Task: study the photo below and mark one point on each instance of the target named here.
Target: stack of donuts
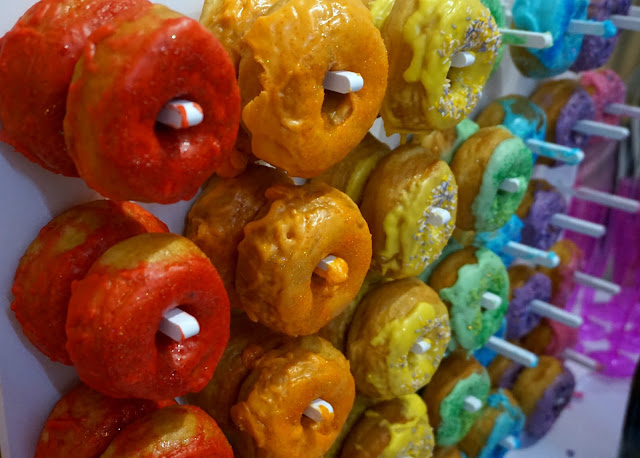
(331, 295)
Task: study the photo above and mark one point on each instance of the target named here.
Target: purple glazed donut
(526, 285)
(538, 206)
(605, 87)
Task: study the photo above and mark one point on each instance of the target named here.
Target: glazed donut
(401, 196)
(63, 252)
(425, 92)
(517, 113)
(115, 311)
(124, 79)
(294, 123)
(563, 283)
(550, 338)
(605, 87)
(504, 372)
(551, 16)
(526, 285)
(275, 394)
(543, 392)
(444, 143)
(276, 259)
(84, 422)
(393, 428)
(389, 321)
(352, 173)
(497, 155)
(539, 204)
(461, 279)
(458, 377)
(360, 405)
(565, 102)
(500, 419)
(217, 218)
(178, 430)
(37, 58)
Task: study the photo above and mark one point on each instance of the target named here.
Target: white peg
(601, 129)
(556, 314)
(526, 39)
(634, 11)
(181, 114)
(571, 156)
(490, 301)
(598, 28)
(596, 283)
(314, 410)
(472, 404)
(606, 199)
(543, 258)
(578, 225)
(510, 443)
(620, 109)
(420, 347)
(437, 216)
(625, 22)
(462, 59)
(511, 351)
(179, 325)
(581, 359)
(510, 185)
(343, 82)
(325, 263)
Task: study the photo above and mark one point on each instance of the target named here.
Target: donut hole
(171, 139)
(336, 107)
(164, 342)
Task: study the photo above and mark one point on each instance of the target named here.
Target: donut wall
(377, 246)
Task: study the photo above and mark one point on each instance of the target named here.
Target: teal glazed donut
(461, 280)
(551, 16)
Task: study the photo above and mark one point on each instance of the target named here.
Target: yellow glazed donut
(424, 92)
(399, 200)
(389, 321)
(296, 124)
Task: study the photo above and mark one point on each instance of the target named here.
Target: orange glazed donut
(115, 311)
(178, 431)
(279, 389)
(62, 253)
(37, 58)
(124, 79)
(275, 278)
(84, 422)
(295, 124)
(217, 218)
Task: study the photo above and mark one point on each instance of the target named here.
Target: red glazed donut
(63, 252)
(37, 58)
(124, 79)
(115, 311)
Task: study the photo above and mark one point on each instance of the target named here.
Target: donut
(445, 143)
(500, 419)
(123, 80)
(115, 311)
(388, 322)
(550, 338)
(451, 247)
(539, 204)
(595, 50)
(392, 428)
(543, 392)
(565, 102)
(563, 283)
(352, 173)
(458, 377)
(281, 385)
(497, 155)
(425, 92)
(526, 285)
(461, 279)
(63, 252)
(37, 58)
(551, 16)
(84, 422)
(504, 372)
(498, 239)
(178, 430)
(447, 452)
(605, 87)
(238, 159)
(401, 196)
(275, 278)
(360, 405)
(294, 123)
(217, 218)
